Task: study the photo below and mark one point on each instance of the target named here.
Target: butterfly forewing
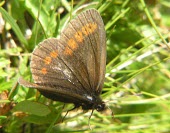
(88, 34)
(98, 38)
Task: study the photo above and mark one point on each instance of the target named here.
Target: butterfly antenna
(89, 119)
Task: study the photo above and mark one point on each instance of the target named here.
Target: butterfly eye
(100, 107)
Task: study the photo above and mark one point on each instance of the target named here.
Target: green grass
(137, 85)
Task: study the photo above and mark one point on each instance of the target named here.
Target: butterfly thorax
(94, 102)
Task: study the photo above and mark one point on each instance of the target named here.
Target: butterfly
(71, 69)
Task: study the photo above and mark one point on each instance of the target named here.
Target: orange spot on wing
(89, 28)
(92, 27)
(68, 51)
(54, 54)
(72, 44)
(79, 36)
(84, 30)
(44, 71)
(47, 60)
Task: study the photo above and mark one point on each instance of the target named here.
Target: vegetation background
(137, 84)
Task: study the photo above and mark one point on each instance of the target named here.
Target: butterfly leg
(75, 106)
(89, 119)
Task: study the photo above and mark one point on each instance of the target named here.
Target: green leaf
(32, 108)
(14, 26)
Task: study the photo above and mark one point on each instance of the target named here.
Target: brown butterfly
(72, 69)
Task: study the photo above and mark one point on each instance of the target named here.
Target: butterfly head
(100, 106)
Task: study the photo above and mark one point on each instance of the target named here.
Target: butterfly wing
(69, 68)
(88, 37)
